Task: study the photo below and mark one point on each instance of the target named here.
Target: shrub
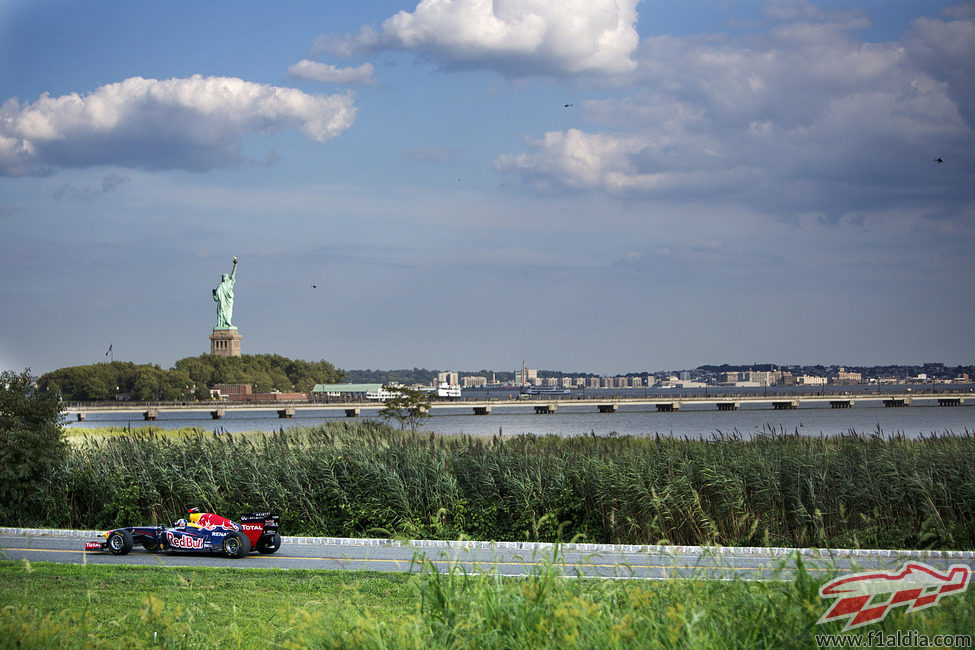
(33, 449)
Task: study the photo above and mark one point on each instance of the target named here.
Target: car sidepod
(183, 539)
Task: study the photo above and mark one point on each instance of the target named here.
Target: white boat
(447, 390)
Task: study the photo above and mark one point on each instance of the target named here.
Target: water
(694, 421)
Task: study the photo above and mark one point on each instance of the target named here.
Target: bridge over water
(548, 404)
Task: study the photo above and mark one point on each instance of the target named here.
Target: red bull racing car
(202, 532)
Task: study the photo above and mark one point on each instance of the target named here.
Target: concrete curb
(547, 547)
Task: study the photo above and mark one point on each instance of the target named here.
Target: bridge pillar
(897, 402)
(81, 416)
(667, 407)
(482, 410)
(352, 412)
(608, 408)
(950, 401)
(728, 406)
(840, 403)
(286, 412)
(785, 405)
(150, 415)
(218, 414)
(546, 409)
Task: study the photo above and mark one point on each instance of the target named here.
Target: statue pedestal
(225, 342)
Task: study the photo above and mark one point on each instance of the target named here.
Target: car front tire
(120, 542)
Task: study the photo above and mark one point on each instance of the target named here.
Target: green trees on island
(190, 378)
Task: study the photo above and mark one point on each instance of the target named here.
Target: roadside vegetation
(364, 478)
(44, 605)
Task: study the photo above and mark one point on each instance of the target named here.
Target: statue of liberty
(223, 295)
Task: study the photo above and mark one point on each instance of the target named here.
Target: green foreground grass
(45, 605)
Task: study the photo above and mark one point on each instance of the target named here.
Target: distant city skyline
(609, 185)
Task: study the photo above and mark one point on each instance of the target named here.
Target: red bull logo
(210, 521)
(862, 597)
(184, 541)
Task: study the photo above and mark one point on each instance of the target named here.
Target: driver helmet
(180, 523)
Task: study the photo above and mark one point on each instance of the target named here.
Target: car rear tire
(120, 542)
(236, 545)
(271, 545)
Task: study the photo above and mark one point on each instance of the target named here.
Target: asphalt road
(505, 558)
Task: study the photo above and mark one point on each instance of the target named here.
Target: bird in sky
(314, 286)
(938, 160)
(568, 105)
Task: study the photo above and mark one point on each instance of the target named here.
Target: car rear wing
(260, 524)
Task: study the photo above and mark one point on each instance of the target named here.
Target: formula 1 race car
(203, 532)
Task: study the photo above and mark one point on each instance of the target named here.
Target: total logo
(253, 526)
(184, 541)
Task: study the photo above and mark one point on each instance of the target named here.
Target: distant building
(342, 392)
(277, 396)
(763, 377)
(473, 381)
(235, 392)
(244, 393)
(448, 377)
(810, 380)
(844, 377)
(526, 376)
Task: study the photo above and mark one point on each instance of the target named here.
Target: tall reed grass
(364, 478)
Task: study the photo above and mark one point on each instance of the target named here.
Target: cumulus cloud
(515, 37)
(195, 123)
(802, 116)
(945, 51)
(308, 69)
(621, 164)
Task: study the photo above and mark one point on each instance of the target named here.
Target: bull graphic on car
(202, 532)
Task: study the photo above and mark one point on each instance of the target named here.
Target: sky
(602, 186)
